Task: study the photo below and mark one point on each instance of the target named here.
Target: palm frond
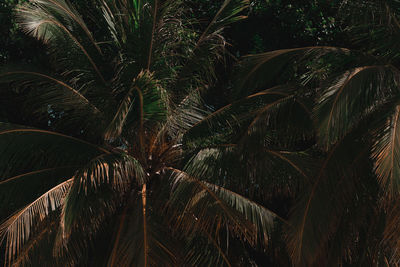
(18, 228)
(206, 252)
(25, 149)
(151, 105)
(231, 118)
(237, 213)
(352, 97)
(314, 219)
(385, 153)
(263, 218)
(49, 99)
(260, 71)
(55, 22)
(38, 181)
(228, 13)
(246, 171)
(184, 116)
(198, 70)
(119, 171)
(135, 244)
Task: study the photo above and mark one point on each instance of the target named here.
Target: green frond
(198, 68)
(260, 216)
(185, 115)
(206, 251)
(12, 197)
(278, 173)
(149, 108)
(229, 13)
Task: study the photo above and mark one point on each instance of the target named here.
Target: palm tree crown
(102, 151)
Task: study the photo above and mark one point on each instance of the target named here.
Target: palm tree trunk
(145, 248)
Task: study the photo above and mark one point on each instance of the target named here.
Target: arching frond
(259, 71)
(206, 252)
(56, 22)
(49, 99)
(337, 184)
(28, 149)
(228, 119)
(150, 106)
(229, 13)
(352, 97)
(12, 195)
(135, 244)
(245, 171)
(185, 115)
(18, 228)
(198, 70)
(232, 210)
(260, 216)
(386, 155)
(109, 176)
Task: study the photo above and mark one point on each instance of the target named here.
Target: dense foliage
(139, 137)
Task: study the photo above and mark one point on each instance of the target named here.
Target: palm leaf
(50, 99)
(54, 22)
(118, 171)
(18, 228)
(206, 198)
(39, 181)
(139, 244)
(229, 120)
(351, 98)
(198, 69)
(314, 219)
(185, 115)
(28, 149)
(151, 106)
(385, 153)
(276, 172)
(260, 71)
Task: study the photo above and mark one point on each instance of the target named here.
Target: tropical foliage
(122, 154)
(98, 143)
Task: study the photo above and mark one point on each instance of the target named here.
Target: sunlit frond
(119, 171)
(17, 230)
(202, 199)
(55, 22)
(386, 152)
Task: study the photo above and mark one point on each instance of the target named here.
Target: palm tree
(346, 211)
(109, 161)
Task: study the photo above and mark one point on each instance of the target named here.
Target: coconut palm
(346, 213)
(109, 160)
